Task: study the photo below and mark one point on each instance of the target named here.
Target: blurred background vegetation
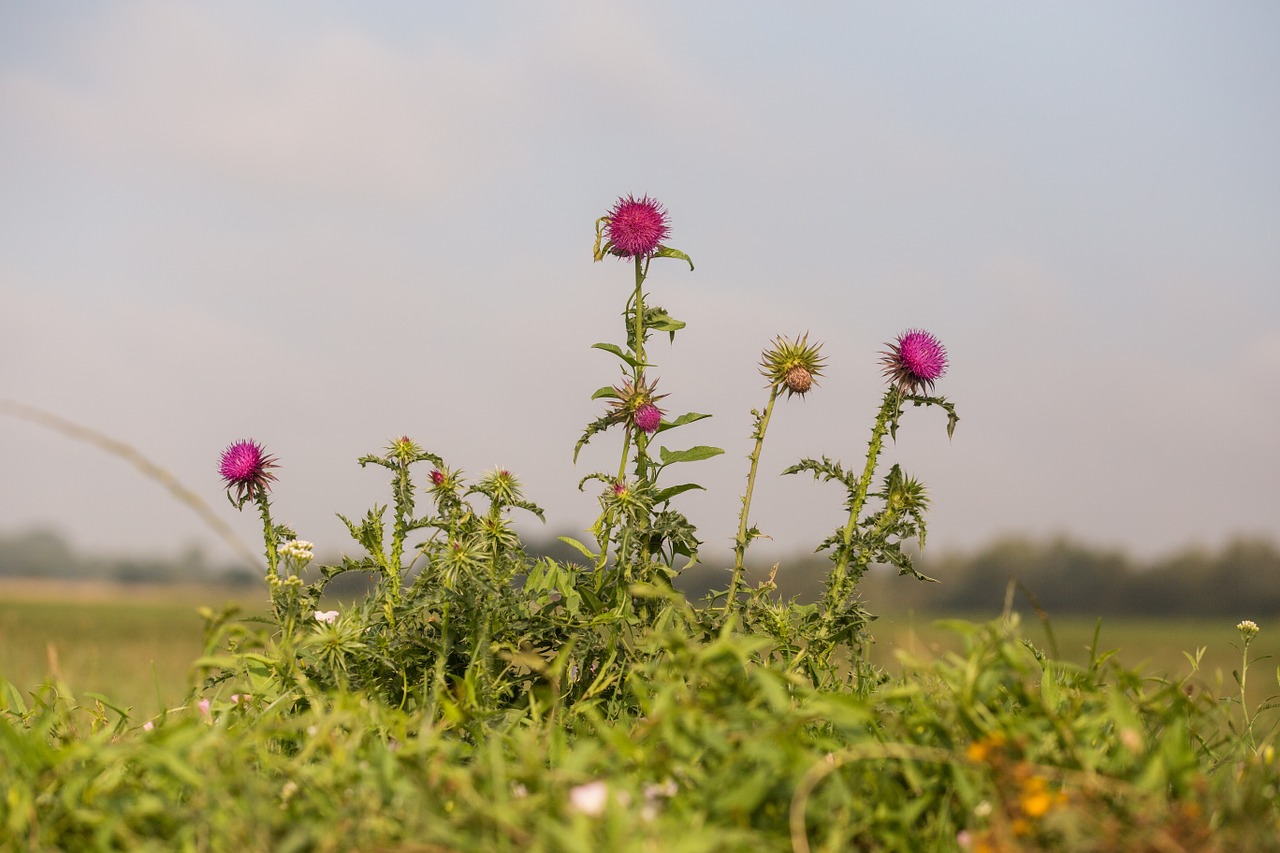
(129, 627)
(1063, 577)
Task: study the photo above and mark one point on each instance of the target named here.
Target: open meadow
(135, 643)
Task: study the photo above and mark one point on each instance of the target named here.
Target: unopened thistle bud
(404, 449)
(501, 485)
(793, 365)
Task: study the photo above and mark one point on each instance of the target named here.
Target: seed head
(914, 361)
(246, 467)
(794, 365)
(636, 226)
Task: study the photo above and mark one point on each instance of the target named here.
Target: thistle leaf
(668, 252)
(619, 352)
(693, 454)
(669, 493)
(687, 418)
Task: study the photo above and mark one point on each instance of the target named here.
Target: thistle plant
(246, 469)
(911, 364)
(793, 366)
(636, 522)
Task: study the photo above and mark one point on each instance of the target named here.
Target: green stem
(887, 409)
(740, 545)
(268, 534)
(638, 330)
(1244, 707)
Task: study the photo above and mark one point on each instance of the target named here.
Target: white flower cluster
(1248, 629)
(298, 550)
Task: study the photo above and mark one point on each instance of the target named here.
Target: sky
(323, 225)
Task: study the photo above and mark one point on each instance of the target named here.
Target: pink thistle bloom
(914, 361)
(437, 477)
(647, 418)
(636, 226)
(246, 468)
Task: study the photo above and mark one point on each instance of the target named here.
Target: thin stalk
(268, 534)
(740, 545)
(878, 432)
(1244, 707)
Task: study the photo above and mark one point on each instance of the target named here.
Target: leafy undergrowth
(996, 748)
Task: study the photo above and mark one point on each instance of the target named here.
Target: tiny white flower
(327, 616)
(590, 799)
(148, 726)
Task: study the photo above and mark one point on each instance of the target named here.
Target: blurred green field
(136, 643)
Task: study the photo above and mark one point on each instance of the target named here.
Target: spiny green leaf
(668, 252)
(693, 454)
(599, 425)
(669, 493)
(686, 418)
(620, 353)
(578, 546)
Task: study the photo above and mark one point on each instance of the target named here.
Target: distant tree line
(46, 554)
(1241, 580)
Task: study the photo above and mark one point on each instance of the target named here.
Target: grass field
(135, 644)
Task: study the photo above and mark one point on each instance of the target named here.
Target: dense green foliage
(997, 748)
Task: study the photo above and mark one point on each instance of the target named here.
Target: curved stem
(741, 543)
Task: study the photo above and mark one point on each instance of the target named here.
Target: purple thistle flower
(647, 418)
(915, 361)
(636, 226)
(246, 468)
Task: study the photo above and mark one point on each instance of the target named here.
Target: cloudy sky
(325, 224)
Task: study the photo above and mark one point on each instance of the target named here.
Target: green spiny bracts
(794, 365)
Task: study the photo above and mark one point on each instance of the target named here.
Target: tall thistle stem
(269, 534)
(741, 543)
(839, 576)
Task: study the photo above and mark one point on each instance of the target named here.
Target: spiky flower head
(501, 485)
(635, 227)
(914, 361)
(404, 449)
(794, 365)
(635, 403)
(246, 467)
(648, 418)
(437, 477)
